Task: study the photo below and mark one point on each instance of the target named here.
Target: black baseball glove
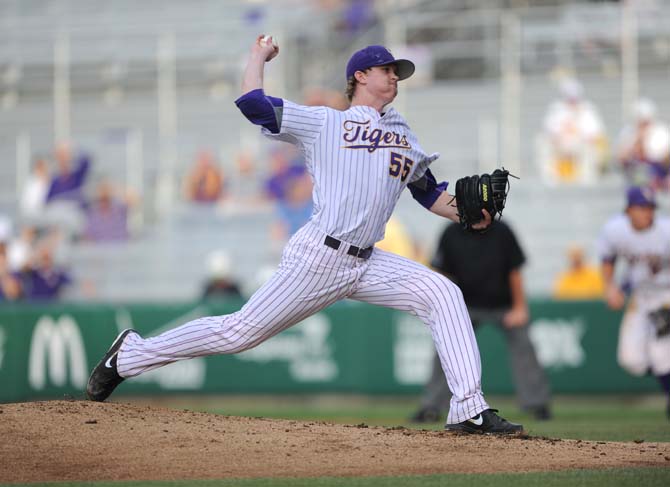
(475, 193)
(661, 320)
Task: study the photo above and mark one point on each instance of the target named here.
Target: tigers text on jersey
(360, 162)
(646, 253)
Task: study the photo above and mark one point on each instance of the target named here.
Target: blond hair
(351, 88)
(352, 82)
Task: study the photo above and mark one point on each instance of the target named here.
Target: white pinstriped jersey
(360, 162)
(646, 253)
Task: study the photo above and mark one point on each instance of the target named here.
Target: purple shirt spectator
(358, 15)
(106, 216)
(67, 185)
(277, 186)
(107, 223)
(42, 284)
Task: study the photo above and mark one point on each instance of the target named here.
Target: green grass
(587, 478)
(601, 418)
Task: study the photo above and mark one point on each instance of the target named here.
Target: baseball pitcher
(360, 161)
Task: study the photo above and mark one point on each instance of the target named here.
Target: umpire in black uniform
(487, 268)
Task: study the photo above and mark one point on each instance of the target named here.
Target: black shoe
(540, 413)
(426, 415)
(105, 376)
(486, 422)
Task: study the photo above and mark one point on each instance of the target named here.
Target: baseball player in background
(360, 161)
(641, 240)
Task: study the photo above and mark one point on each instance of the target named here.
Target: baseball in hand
(265, 39)
(269, 41)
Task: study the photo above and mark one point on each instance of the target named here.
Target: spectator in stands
(68, 183)
(356, 16)
(5, 228)
(205, 181)
(65, 200)
(289, 188)
(487, 269)
(581, 280)
(220, 283)
(20, 249)
(285, 166)
(107, 215)
(43, 280)
(572, 147)
(644, 148)
(10, 289)
(295, 208)
(34, 194)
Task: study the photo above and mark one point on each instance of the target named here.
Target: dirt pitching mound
(78, 441)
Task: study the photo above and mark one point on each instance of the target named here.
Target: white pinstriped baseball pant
(312, 276)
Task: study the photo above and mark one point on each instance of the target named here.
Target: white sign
(413, 351)
(186, 374)
(558, 343)
(305, 347)
(55, 348)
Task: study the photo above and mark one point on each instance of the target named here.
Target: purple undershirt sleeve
(426, 190)
(261, 110)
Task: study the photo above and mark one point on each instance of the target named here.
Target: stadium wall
(48, 352)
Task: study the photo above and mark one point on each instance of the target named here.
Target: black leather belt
(334, 243)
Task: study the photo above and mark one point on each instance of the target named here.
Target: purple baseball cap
(378, 56)
(639, 196)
